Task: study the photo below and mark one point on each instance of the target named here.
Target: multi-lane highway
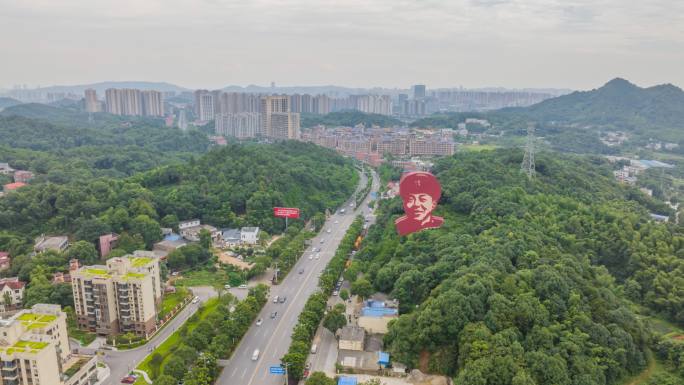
(273, 337)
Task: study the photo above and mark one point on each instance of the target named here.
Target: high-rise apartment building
(276, 119)
(91, 102)
(121, 297)
(204, 105)
(240, 125)
(152, 103)
(132, 102)
(182, 120)
(419, 91)
(35, 350)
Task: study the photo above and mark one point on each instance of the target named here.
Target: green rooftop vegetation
(25, 347)
(140, 261)
(36, 321)
(134, 276)
(98, 272)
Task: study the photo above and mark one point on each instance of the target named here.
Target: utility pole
(527, 165)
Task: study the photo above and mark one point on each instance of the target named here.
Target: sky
(576, 44)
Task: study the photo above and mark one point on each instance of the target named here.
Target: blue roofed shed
(383, 359)
(346, 381)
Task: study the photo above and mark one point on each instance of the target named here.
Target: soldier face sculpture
(420, 192)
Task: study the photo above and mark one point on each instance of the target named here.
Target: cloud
(354, 42)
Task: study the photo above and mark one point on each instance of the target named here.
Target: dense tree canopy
(523, 284)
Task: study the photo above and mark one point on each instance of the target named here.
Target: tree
(147, 228)
(165, 380)
(84, 251)
(335, 320)
(362, 287)
(175, 367)
(319, 378)
(205, 239)
(39, 289)
(155, 363)
(344, 294)
(7, 300)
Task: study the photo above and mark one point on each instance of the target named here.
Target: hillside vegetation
(527, 282)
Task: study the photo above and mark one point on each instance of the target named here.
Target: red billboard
(420, 192)
(286, 212)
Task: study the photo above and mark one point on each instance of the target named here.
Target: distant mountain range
(102, 86)
(618, 103)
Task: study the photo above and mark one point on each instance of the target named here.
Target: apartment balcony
(9, 375)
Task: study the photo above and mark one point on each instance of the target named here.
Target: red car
(128, 380)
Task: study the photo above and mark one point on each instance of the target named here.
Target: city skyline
(472, 43)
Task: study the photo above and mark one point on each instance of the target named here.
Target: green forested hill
(653, 112)
(528, 281)
(8, 102)
(232, 186)
(73, 150)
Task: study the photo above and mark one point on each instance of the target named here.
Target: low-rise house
(375, 315)
(22, 176)
(249, 235)
(192, 234)
(60, 277)
(5, 169)
(351, 338)
(107, 243)
(231, 237)
(11, 289)
(169, 244)
(5, 260)
(57, 243)
(188, 224)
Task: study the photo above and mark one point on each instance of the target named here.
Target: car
(243, 286)
(175, 273)
(314, 347)
(335, 293)
(275, 299)
(322, 240)
(195, 300)
(255, 355)
(310, 257)
(329, 231)
(318, 255)
(259, 322)
(351, 205)
(128, 380)
(227, 287)
(282, 299)
(274, 314)
(308, 366)
(301, 271)
(336, 222)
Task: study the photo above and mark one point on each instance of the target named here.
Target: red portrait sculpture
(420, 192)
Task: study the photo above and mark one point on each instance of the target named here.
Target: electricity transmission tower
(527, 165)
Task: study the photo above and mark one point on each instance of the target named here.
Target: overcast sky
(577, 44)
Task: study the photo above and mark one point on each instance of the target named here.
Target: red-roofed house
(11, 289)
(4, 260)
(22, 176)
(13, 186)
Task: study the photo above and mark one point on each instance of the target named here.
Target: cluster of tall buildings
(133, 102)
(126, 101)
(371, 145)
(244, 115)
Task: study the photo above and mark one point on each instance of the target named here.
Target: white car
(336, 222)
(275, 299)
(255, 355)
(195, 300)
(329, 231)
(335, 293)
(318, 255)
(310, 257)
(259, 322)
(243, 286)
(227, 287)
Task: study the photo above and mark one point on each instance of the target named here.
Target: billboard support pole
(285, 223)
